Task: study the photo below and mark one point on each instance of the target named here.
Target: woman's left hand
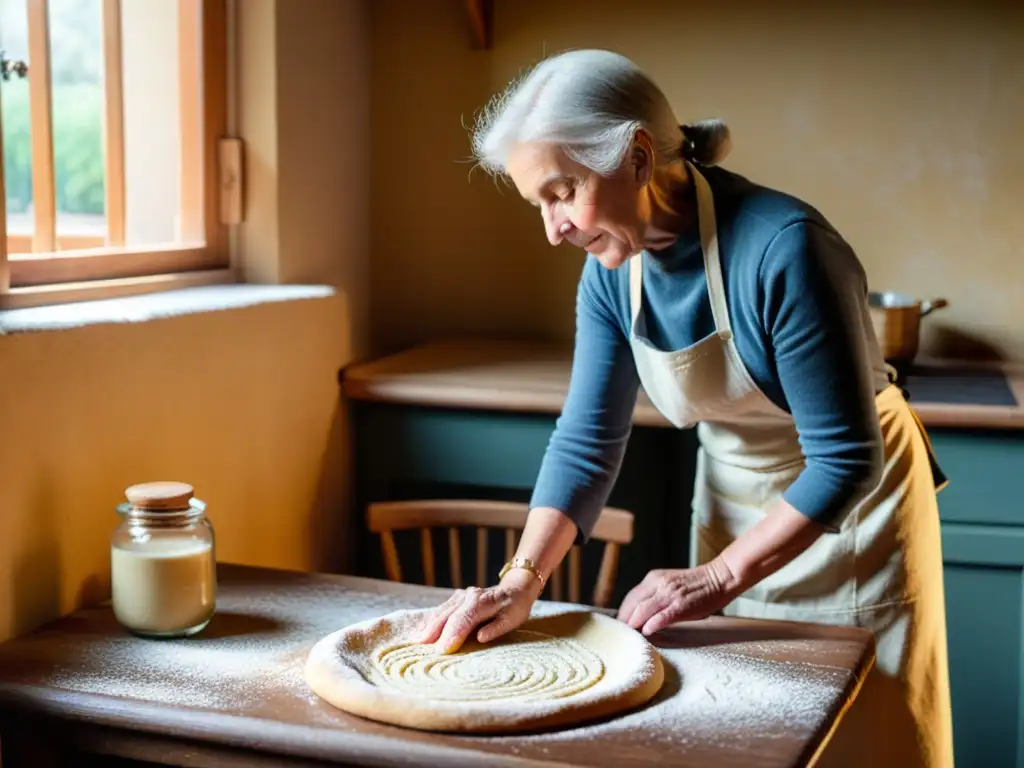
(667, 596)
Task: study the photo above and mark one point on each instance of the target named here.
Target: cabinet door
(984, 582)
(984, 469)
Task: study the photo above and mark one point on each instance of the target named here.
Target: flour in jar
(165, 586)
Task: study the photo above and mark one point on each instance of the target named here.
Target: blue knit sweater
(797, 303)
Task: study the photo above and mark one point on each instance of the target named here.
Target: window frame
(73, 267)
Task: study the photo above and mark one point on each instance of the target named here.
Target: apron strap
(712, 263)
(709, 243)
(636, 284)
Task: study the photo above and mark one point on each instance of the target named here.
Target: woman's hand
(494, 611)
(664, 597)
(503, 607)
(667, 596)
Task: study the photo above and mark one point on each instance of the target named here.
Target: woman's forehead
(536, 167)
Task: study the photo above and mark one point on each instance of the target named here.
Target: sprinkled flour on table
(251, 659)
(253, 648)
(711, 693)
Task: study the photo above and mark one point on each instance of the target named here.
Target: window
(112, 119)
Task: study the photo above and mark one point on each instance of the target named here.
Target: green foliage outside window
(78, 147)
(76, 65)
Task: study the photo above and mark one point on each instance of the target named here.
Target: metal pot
(896, 319)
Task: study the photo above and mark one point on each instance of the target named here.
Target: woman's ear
(642, 159)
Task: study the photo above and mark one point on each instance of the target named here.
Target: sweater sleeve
(584, 454)
(813, 311)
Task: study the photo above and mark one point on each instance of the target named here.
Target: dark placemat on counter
(962, 386)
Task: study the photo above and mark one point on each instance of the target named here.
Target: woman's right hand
(490, 612)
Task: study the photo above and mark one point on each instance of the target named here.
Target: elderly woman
(741, 311)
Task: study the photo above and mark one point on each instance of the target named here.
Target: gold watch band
(525, 564)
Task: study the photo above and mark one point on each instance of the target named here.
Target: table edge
(814, 750)
(234, 731)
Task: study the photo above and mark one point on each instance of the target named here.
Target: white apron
(882, 570)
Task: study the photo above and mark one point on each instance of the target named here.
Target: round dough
(556, 670)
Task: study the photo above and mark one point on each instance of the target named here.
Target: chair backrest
(614, 527)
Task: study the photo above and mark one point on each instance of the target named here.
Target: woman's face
(601, 214)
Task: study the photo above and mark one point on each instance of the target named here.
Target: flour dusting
(732, 695)
(254, 649)
(715, 696)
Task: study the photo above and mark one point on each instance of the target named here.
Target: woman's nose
(557, 226)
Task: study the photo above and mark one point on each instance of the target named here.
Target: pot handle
(930, 306)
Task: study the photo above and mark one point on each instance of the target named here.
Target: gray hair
(591, 103)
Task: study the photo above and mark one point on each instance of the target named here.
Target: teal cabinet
(982, 513)
(406, 451)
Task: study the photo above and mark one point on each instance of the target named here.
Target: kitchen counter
(501, 375)
(235, 695)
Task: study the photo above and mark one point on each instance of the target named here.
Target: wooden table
(234, 695)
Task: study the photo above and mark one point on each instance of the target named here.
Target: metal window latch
(231, 169)
(10, 67)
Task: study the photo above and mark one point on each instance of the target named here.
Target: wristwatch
(525, 564)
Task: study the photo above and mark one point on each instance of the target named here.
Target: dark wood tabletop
(737, 692)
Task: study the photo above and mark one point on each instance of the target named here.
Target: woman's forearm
(774, 541)
(782, 535)
(547, 538)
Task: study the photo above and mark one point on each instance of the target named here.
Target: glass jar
(162, 562)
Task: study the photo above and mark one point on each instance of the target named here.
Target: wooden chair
(614, 527)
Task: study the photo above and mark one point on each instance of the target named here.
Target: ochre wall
(227, 401)
(900, 121)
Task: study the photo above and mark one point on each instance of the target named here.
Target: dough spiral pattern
(527, 665)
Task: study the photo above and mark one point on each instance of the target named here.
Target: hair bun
(706, 142)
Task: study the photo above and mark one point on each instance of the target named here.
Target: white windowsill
(153, 306)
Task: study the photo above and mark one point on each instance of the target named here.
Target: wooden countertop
(234, 694)
(522, 376)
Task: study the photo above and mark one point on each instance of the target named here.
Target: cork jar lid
(160, 495)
